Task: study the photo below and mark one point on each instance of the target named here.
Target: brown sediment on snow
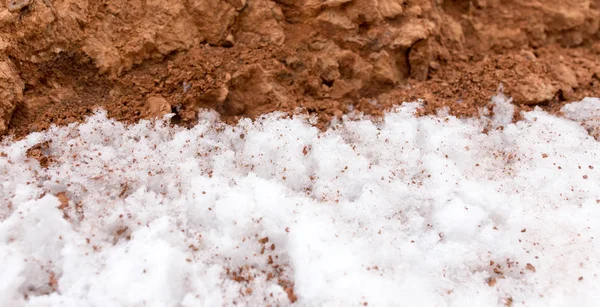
(61, 59)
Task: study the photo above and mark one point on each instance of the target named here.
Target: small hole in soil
(176, 120)
(328, 83)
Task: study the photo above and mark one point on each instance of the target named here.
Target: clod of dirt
(533, 90)
(11, 93)
(384, 68)
(249, 89)
(410, 33)
(567, 80)
(157, 107)
(17, 5)
(39, 152)
(259, 24)
(390, 8)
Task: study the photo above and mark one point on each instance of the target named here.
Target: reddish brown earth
(61, 59)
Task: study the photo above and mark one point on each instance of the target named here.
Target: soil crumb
(39, 152)
(61, 59)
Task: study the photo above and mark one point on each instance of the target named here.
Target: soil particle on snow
(39, 152)
(243, 58)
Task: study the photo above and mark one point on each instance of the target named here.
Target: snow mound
(412, 211)
(587, 112)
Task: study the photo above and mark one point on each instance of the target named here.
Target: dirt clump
(39, 152)
(11, 92)
(139, 59)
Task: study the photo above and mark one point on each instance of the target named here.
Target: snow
(582, 110)
(414, 211)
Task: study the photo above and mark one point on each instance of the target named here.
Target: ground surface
(416, 211)
(149, 202)
(59, 59)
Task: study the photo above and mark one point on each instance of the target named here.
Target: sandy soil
(61, 59)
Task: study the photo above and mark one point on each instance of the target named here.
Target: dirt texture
(139, 59)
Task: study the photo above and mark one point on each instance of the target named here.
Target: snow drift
(412, 211)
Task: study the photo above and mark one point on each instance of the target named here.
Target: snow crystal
(415, 211)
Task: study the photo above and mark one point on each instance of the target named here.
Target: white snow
(409, 211)
(587, 112)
